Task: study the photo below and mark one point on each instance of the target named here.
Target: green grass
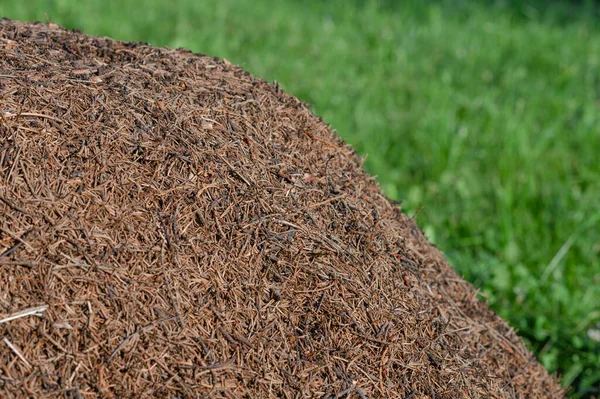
(487, 114)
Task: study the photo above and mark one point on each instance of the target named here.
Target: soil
(171, 226)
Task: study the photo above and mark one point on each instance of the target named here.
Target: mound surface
(172, 227)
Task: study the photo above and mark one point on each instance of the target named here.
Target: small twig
(37, 311)
(320, 302)
(325, 202)
(346, 391)
(413, 217)
(11, 249)
(21, 241)
(25, 211)
(8, 115)
(19, 262)
(381, 364)
(517, 374)
(128, 338)
(228, 337)
(285, 222)
(232, 169)
(17, 352)
(213, 367)
(218, 365)
(17, 208)
(206, 188)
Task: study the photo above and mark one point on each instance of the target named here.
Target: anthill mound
(172, 227)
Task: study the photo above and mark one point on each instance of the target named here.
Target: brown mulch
(171, 226)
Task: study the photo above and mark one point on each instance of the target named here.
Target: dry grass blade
(35, 311)
(17, 352)
(31, 114)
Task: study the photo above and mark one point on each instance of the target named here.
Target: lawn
(483, 118)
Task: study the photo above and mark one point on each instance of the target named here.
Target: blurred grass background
(485, 113)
